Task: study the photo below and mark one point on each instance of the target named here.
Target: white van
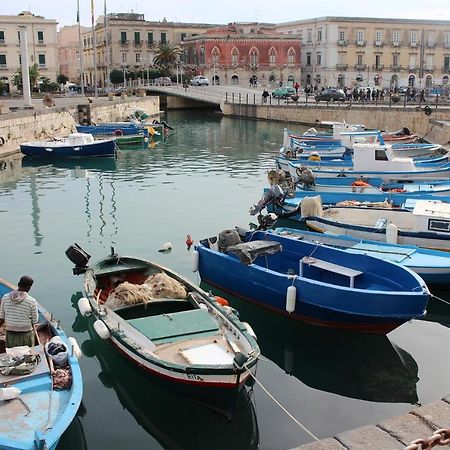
(200, 80)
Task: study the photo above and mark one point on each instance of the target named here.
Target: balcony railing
(378, 44)
(446, 68)
(378, 67)
(360, 66)
(40, 42)
(3, 66)
(396, 43)
(413, 68)
(2, 41)
(42, 66)
(429, 68)
(341, 66)
(431, 44)
(150, 43)
(396, 68)
(414, 44)
(447, 44)
(137, 43)
(342, 42)
(124, 43)
(360, 43)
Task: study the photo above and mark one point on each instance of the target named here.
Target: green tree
(167, 56)
(16, 79)
(116, 76)
(62, 79)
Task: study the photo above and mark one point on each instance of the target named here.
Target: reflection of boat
(39, 412)
(103, 164)
(175, 421)
(308, 282)
(367, 367)
(168, 327)
(76, 145)
(73, 438)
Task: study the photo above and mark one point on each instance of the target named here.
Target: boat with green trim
(167, 326)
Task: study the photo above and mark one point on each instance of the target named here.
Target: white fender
(84, 307)
(101, 329)
(75, 347)
(392, 233)
(8, 393)
(195, 260)
(165, 247)
(249, 330)
(291, 296)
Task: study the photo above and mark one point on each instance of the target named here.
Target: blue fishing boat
(433, 266)
(112, 129)
(310, 282)
(35, 409)
(76, 145)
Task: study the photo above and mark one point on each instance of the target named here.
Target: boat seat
(331, 267)
(176, 326)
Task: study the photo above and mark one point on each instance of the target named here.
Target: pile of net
(157, 286)
(62, 378)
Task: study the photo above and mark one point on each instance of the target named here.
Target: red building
(238, 52)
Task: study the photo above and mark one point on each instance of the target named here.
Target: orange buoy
(189, 241)
(221, 301)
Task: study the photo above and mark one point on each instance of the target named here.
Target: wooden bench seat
(330, 267)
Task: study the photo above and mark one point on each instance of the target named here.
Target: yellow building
(350, 51)
(132, 42)
(42, 45)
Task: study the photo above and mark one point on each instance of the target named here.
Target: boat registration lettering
(194, 377)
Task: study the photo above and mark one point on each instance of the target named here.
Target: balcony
(378, 44)
(150, 43)
(431, 44)
(378, 67)
(360, 67)
(42, 66)
(342, 43)
(341, 66)
(396, 68)
(429, 69)
(3, 67)
(413, 44)
(124, 43)
(40, 42)
(360, 43)
(412, 68)
(396, 44)
(446, 69)
(2, 42)
(446, 44)
(137, 43)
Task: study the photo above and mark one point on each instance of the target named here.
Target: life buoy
(221, 301)
(118, 133)
(427, 110)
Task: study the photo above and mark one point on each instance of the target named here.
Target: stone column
(25, 66)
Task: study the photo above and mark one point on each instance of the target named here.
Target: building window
(319, 35)
(40, 36)
(446, 63)
(308, 59)
(395, 59)
(138, 58)
(341, 35)
(378, 37)
(430, 61)
(3, 61)
(41, 60)
(412, 61)
(150, 38)
(309, 36)
(202, 55)
(234, 56)
(163, 38)
(447, 39)
(318, 59)
(272, 56)
(396, 37)
(137, 37)
(430, 39)
(359, 60)
(360, 37)
(123, 37)
(183, 36)
(2, 37)
(253, 58)
(377, 62)
(124, 57)
(413, 38)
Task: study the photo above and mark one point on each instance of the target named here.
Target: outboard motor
(79, 258)
(266, 221)
(274, 194)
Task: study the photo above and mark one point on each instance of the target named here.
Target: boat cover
(249, 251)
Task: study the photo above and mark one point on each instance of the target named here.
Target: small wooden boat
(317, 284)
(41, 411)
(76, 145)
(426, 225)
(433, 266)
(167, 326)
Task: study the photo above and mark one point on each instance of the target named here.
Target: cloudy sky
(213, 11)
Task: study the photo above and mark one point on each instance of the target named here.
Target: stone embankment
(21, 126)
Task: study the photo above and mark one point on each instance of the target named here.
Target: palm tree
(167, 56)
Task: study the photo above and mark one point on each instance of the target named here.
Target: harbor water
(200, 180)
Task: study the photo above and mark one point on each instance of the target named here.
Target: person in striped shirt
(18, 310)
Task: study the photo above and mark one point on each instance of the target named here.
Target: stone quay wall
(41, 124)
(435, 127)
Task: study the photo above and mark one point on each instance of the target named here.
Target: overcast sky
(213, 11)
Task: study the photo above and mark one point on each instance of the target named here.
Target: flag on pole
(78, 11)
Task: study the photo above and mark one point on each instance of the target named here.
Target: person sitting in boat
(18, 310)
(314, 156)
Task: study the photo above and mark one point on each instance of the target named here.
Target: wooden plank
(325, 265)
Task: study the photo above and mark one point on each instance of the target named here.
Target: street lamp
(124, 79)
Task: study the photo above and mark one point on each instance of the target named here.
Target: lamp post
(124, 80)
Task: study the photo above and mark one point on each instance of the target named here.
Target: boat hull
(96, 149)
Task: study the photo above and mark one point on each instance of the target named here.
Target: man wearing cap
(19, 311)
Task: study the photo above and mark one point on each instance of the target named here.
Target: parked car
(331, 95)
(283, 92)
(163, 81)
(200, 80)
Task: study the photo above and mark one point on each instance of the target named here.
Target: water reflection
(73, 164)
(73, 438)
(174, 421)
(356, 365)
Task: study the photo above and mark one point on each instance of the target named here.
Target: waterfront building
(42, 46)
(238, 52)
(349, 51)
(132, 42)
(68, 52)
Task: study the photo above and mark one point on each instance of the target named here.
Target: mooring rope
(435, 297)
(280, 405)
